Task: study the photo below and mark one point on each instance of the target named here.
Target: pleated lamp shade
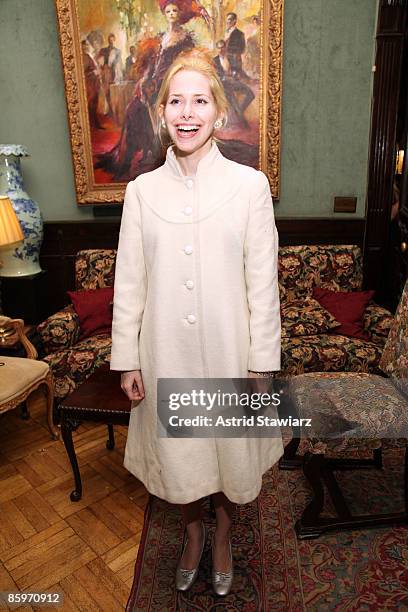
(11, 233)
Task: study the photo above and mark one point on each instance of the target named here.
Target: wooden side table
(98, 399)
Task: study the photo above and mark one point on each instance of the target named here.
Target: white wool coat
(196, 296)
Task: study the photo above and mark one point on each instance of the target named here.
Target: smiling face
(172, 13)
(190, 112)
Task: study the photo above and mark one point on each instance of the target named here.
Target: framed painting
(115, 54)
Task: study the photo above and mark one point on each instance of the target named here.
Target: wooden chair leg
(308, 525)
(69, 425)
(377, 458)
(24, 411)
(290, 460)
(319, 471)
(110, 442)
(50, 406)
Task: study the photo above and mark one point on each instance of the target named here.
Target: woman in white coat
(196, 296)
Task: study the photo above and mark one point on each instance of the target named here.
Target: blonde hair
(200, 61)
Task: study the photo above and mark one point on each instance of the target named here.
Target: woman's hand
(259, 383)
(132, 384)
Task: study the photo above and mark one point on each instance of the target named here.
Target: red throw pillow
(348, 309)
(94, 309)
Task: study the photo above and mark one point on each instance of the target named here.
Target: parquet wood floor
(85, 550)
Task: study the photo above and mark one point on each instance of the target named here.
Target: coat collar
(217, 182)
(210, 159)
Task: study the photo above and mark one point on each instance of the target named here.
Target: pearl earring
(163, 124)
(218, 124)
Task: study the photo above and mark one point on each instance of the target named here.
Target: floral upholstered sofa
(338, 268)
(309, 341)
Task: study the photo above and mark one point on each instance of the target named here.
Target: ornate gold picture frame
(114, 54)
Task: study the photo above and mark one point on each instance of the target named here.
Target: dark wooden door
(397, 253)
(402, 246)
(384, 263)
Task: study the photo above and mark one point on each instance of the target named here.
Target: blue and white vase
(24, 260)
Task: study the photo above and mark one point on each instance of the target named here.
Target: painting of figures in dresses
(127, 46)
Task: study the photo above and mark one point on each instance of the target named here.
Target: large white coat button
(189, 284)
(189, 183)
(188, 249)
(188, 210)
(191, 319)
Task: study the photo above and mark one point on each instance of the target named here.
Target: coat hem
(236, 497)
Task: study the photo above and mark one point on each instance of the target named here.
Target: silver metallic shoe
(222, 581)
(186, 578)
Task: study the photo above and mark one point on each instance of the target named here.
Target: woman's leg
(192, 520)
(224, 511)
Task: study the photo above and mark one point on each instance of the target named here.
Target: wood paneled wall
(62, 240)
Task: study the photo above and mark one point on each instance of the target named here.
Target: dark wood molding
(315, 230)
(63, 239)
(388, 61)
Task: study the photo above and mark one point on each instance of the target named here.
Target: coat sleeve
(242, 43)
(130, 286)
(261, 275)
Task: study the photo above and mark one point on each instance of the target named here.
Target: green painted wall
(327, 85)
(328, 54)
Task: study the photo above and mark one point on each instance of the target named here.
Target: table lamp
(11, 235)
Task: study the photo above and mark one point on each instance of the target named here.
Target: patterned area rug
(344, 571)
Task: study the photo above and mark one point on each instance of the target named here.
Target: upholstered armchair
(309, 343)
(20, 377)
(73, 360)
(351, 412)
